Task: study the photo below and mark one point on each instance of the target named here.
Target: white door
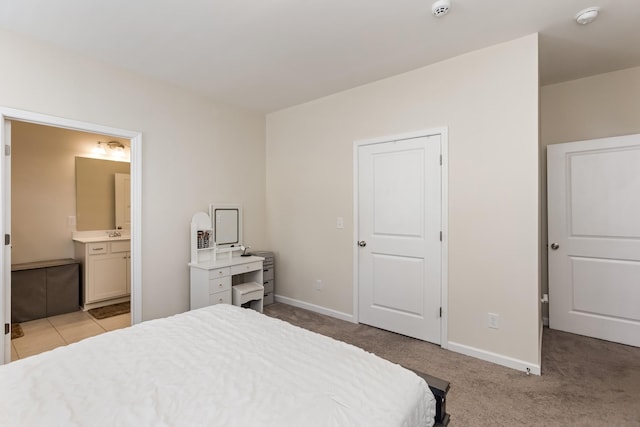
(5, 201)
(594, 238)
(123, 201)
(399, 259)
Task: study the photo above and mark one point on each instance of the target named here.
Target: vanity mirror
(227, 225)
(96, 194)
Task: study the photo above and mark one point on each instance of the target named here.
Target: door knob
(555, 246)
(362, 243)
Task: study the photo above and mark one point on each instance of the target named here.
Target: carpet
(16, 331)
(110, 310)
(584, 382)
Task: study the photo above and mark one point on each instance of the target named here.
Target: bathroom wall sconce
(115, 148)
(99, 149)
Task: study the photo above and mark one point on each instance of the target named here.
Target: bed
(217, 366)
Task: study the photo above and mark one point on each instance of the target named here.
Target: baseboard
(498, 359)
(315, 308)
(488, 356)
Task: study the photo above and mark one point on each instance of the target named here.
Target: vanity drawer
(219, 284)
(97, 248)
(223, 297)
(243, 268)
(219, 272)
(267, 273)
(122, 246)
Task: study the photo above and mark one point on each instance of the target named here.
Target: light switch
(71, 221)
(340, 222)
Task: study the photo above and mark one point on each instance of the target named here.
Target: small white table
(211, 281)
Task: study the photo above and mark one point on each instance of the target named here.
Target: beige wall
(43, 189)
(594, 107)
(194, 151)
(489, 101)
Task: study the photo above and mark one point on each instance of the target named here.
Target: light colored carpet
(584, 382)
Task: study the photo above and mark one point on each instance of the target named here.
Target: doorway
(6, 118)
(400, 226)
(594, 236)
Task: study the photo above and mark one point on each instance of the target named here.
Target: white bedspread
(216, 366)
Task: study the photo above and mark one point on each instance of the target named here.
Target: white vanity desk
(219, 273)
(211, 281)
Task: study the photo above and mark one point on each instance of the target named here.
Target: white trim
(136, 228)
(5, 256)
(136, 190)
(444, 171)
(540, 337)
(499, 359)
(444, 217)
(316, 308)
(356, 230)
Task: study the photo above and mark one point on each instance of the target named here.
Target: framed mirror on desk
(227, 224)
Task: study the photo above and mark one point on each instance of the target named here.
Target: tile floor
(46, 334)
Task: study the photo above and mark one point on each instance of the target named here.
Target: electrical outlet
(319, 285)
(340, 222)
(494, 321)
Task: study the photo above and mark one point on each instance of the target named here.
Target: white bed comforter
(217, 366)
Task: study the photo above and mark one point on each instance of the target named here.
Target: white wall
(593, 107)
(194, 151)
(489, 101)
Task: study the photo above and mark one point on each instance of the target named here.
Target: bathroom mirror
(95, 193)
(227, 224)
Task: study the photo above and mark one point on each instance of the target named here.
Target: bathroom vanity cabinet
(106, 271)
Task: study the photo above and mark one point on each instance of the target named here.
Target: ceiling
(266, 55)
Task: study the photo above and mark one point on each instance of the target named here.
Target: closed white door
(594, 238)
(399, 258)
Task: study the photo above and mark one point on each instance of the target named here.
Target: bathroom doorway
(18, 120)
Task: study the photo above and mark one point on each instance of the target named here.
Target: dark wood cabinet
(43, 289)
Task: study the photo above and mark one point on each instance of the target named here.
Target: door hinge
(7, 150)
(441, 236)
(7, 328)
(7, 239)
(440, 311)
(440, 159)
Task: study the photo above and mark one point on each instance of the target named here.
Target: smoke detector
(587, 15)
(440, 8)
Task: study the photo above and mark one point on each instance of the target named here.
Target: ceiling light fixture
(440, 8)
(588, 15)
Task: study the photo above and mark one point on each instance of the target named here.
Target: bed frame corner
(439, 388)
